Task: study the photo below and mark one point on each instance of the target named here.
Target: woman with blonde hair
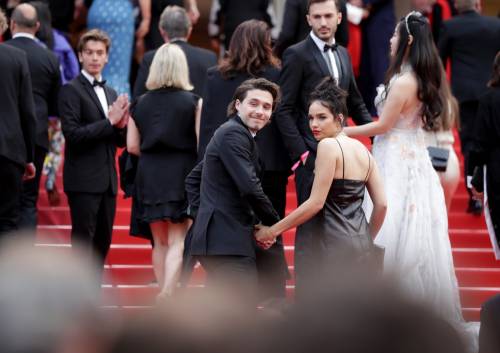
(162, 132)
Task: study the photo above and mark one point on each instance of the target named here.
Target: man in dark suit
(175, 27)
(377, 30)
(231, 199)
(295, 27)
(17, 130)
(304, 66)
(46, 81)
(93, 126)
(471, 42)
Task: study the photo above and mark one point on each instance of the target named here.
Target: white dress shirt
(329, 54)
(99, 91)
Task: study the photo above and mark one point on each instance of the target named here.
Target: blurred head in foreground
(49, 300)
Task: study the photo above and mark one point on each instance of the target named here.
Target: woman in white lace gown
(415, 230)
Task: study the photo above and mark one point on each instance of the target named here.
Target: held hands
(265, 239)
(118, 113)
(29, 171)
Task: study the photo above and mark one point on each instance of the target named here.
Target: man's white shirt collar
(101, 95)
(24, 35)
(89, 77)
(319, 42)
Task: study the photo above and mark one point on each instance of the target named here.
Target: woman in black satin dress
(333, 212)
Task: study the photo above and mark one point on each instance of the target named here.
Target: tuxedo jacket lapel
(90, 90)
(344, 68)
(318, 56)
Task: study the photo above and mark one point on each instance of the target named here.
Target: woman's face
(322, 121)
(394, 41)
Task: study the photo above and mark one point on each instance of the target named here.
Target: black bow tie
(332, 47)
(98, 83)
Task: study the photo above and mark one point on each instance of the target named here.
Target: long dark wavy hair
(421, 54)
(495, 78)
(249, 50)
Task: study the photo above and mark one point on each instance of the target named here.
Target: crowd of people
(207, 148)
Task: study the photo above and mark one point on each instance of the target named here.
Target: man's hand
(263, 234)
(119, 110)
(29, 171)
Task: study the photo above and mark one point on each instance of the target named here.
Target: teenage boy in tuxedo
(93, 122)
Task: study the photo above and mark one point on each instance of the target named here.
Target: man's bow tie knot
(332, 47)
(99, 83)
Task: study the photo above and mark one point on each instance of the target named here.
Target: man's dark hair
(95, 35)
(251, 84)
(338, 4)
(20, 18)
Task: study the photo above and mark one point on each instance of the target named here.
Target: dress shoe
(475, 207)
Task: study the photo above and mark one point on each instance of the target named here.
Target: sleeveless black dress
(165, 119)
(336, 235)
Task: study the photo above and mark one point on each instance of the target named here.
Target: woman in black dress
(334, 212)
(162, 133)
(250, 56)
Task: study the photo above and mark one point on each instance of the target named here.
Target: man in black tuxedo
(46, 81)
(175, 27)
(304, 66)
(17, 130)
(471, 42)
(93, 126)
(295, 28)
(230, 195)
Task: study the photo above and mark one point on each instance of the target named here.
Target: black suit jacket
(91, 140)
(17, 111)
(303, 68)
(231, 198)
(46, 82)
(471, 41)
(296, 28)
(198, 59)
(218, 94)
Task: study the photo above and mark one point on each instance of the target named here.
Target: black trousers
(236, 275)
(489, 337)
(271, 264)
(11, 175)
(29, 196)
(92, 217)
(468, 112)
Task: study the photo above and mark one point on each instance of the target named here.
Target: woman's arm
(376, 190)
(133, 138)
(143, 29)
(394, 104)
(323, 178)
(197, 120)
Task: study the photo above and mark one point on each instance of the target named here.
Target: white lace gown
(415, 229)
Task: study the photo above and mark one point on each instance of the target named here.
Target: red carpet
(128, 272)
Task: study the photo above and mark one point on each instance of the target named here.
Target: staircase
(128, 274)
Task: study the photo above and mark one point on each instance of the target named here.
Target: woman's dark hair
(251, 84)
(330, 96)
(495, 79)
(45, 33)
(249, 50)
(421, 54)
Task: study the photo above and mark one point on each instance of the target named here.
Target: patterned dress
(116, 18)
